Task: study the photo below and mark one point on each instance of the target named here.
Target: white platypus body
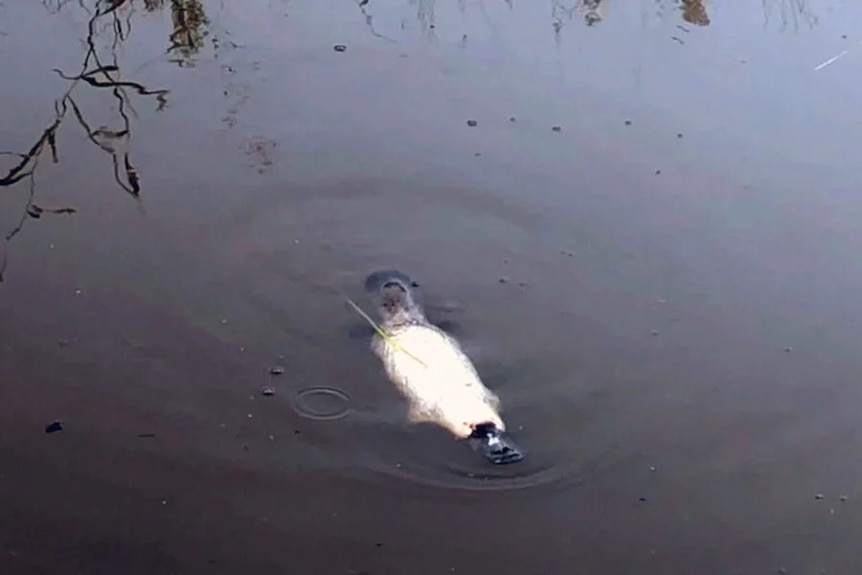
(433, 373)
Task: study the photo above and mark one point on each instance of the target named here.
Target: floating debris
(54, 427)
(513, 119)
(679, 135)
(556, 128)
(843, 498)
(340, 48)
(276, 370)
(788, 349)
(146, 435)
(818, 496)
(628, 122)
(472, 123)
(267, 391)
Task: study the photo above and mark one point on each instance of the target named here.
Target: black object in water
(54, 427)
(495, 444)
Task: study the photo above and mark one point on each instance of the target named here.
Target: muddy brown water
(645, 231)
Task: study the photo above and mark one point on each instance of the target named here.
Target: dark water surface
(648, 239)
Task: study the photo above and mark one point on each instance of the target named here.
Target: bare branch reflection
(788, 12)
(113, 141)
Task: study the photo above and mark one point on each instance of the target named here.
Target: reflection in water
(788, 12)
(592, 11)
(694, 12)
(189, 32)
(113, 141)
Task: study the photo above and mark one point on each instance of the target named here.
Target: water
(661, 289)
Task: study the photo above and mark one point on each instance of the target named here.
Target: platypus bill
(432, 372)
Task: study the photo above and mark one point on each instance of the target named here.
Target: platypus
(432, 372)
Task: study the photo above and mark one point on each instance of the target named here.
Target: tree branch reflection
(115, 142)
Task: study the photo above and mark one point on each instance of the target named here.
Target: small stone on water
(472, 123)
(276, 370)
(54, 427)
(340, 48)
(267, 391)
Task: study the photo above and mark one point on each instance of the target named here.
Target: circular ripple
(544, 469)
(322, 403)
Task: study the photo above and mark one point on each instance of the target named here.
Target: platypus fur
(432, 372)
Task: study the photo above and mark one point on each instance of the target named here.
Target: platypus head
(397, 306)
(396, 303)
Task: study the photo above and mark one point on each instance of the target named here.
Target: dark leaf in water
(54, 427)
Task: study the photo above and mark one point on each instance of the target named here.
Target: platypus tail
(395, 297)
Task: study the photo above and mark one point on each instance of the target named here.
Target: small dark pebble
(472, 123)
(54, 427)
(628, 122)
(679, 135)
(378, 544)
(844, 36)
(788, 349)
(658, 172)
(503, 280)
(267, 391)
(641, 498)
(513, 119)
(297, 432)
(276, 370)
(340, 48)
(557, 128)
(146, 435)
(477, 154)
